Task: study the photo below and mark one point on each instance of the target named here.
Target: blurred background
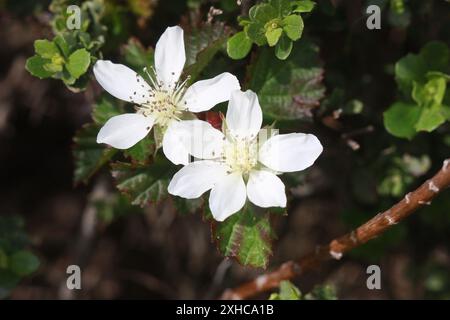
(48, 222)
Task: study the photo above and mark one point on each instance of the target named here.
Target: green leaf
(78, 63)
(430, 118)
(400, 119)
(436, 56)
(304, 6)
(143, 184)
(273, 35)
(35, 66)
(245, 236)
(239, 45)
(201, 47)
(288, 291)
(62, 45)
(288, 89)
(188, 206)
(256, 32)
(263, 13)
(293, 26)
(105, 108)
(326, 292)
(136, 56)
(89, 155)
(409, 69)
(283, 48)
(282, 7)
(45, 48)
(23, 263)
(142, 150)
(432, 93)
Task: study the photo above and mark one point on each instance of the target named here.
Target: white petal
(265, 189)
(125, 130)
(205, 94)
(244, 115)
(121, 82)
(192, 137)
(227, 196)
(170, 56)
(290, 152)
(196, 178)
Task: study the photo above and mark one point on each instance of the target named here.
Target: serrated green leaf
(136, 56)
(143, 184)
(45, 48)
(293, 26)
(400, 119)
(105, 108)
(430, 118)
(273, 35)
(304, 6)
(283, 48)
(288, 89)
(23, 263)
(89, 155)
(239, 45)
(245, 236)
(35, 66)
(201, 47)
(142, 150)
(78, 63)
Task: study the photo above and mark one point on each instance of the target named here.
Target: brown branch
(337, 247)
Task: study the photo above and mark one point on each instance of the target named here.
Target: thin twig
(337, 247)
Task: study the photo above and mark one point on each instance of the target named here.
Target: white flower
(161, 102)
(233, 166)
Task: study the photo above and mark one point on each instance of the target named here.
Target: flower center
(163, 106)
(164, 103)
(241, 155)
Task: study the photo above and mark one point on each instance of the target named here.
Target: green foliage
(70, 53)
(246, 236)
(136, 56)
(276, 23)
(239, 45)
(143, 184)
(16, 261)
(287, 292)
(290, 292)
(288, 89)
(89, 155)
(422, 78)
(202, 45)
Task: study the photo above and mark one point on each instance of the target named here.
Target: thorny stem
(337, 247)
